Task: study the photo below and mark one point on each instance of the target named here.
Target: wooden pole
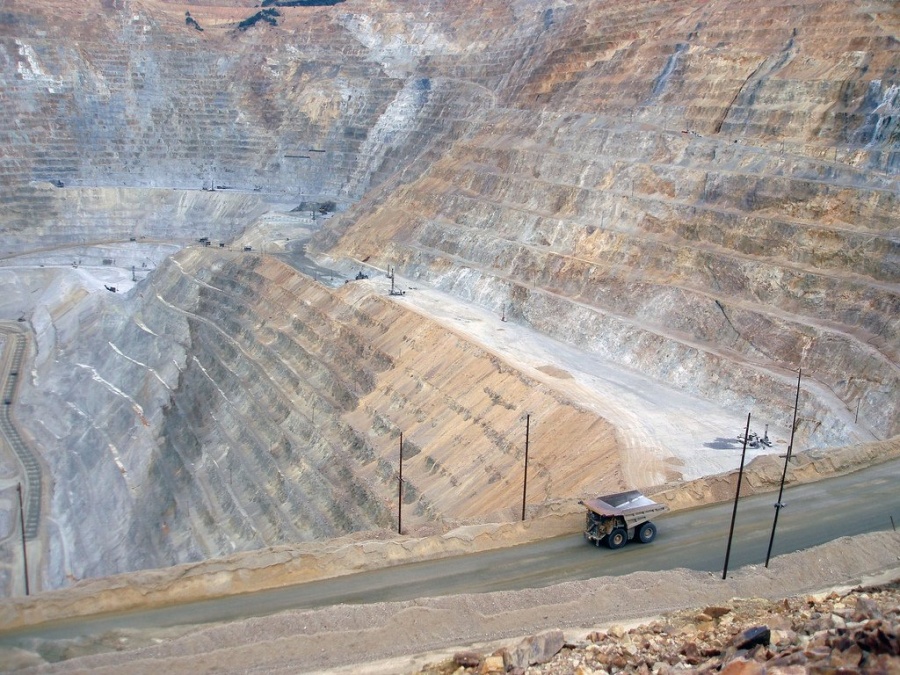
(737, 496)
(779, 504)
(790, 449)
(525, 480)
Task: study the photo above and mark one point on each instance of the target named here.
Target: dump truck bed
(631, 505)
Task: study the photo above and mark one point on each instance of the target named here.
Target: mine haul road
(815, 513)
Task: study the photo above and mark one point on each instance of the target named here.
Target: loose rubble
(851, 632)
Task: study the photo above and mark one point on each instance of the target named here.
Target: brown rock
(866, 608)
(794, 658)
(741, 666)
(467, 659)
(492, 664)
(883, 663)
(783, 637)
(776, 621)
(716, 612)
(849, 658)
(688, 630)
(616, 631)
(877, 639)
(817, 652)
(617, 661)
(691, 654)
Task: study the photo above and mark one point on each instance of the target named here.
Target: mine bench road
(10, 432)
(815, 513)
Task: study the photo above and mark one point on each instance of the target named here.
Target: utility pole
(525, 480)
(24, 550)
(779, 505)
(400, 491)
(736, 497)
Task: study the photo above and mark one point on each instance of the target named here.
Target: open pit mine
(244, 249)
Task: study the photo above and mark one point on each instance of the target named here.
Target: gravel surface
(853, 631)
(405, 637)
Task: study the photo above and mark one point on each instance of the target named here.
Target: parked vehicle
(619, 517)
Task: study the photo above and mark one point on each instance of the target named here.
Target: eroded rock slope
(709, 199)
(703, 192)
(236, 403)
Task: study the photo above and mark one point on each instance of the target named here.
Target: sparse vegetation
(192, 22)
(270, 16)
(497, 399)
(410, 449)
(410, 493)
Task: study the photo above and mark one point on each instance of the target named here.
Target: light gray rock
(536, 649)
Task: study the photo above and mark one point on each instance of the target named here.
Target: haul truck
(620, 517)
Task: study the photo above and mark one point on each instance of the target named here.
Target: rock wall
(705, 192)
(230, 403)
(49, 217)
(312, 110)
(684, 192)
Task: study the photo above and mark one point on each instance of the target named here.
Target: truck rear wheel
(647, 532)
(617, 538)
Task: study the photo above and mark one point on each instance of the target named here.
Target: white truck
(619, 517)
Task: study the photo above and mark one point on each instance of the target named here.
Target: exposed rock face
(705, 192)
(127, 95)
(699, 205)
(240, 404)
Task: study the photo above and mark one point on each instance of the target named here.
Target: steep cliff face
(238, 404)
(704, 193)
(127, 94)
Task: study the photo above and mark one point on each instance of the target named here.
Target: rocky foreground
(847, 632)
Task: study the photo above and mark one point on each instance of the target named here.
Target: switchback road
(10, 367)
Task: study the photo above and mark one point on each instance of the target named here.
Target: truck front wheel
(647, 533)
(617, 538)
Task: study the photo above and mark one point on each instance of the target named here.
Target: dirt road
(397, 637)
(666, 433)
